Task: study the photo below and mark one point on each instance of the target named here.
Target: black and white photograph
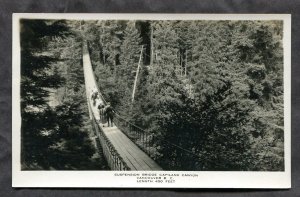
(152, 100)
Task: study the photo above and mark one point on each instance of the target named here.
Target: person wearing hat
(109, 115)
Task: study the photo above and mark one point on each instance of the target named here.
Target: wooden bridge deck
(133, 156)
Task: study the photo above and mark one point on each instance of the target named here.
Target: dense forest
(56, 130)
(212, 88)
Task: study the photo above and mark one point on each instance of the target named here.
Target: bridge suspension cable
(137, 74)
(142, 138)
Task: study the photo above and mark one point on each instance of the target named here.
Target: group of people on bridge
(106, 112)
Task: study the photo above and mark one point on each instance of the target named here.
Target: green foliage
(36, 76)
(130, 53)
(54, 137)
(215, 89)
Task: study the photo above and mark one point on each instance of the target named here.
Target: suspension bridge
(117, 143)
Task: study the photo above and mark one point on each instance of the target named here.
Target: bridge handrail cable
(145, 149)
(143, 130)
(117, 161)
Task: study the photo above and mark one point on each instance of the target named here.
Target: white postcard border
(117, 179)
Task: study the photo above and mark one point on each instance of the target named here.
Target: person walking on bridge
(108, 112)
(101, 112)
(94, 95)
